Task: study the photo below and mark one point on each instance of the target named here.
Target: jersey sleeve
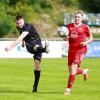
(87, 31)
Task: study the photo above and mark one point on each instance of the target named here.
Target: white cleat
(47, 46)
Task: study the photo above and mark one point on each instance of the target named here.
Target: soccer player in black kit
(31, 39)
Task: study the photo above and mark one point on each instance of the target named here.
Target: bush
(4, 24)
(69, 3)
(6, 21)
(90, 5)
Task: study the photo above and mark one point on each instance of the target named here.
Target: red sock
(79, 71)
(71, 81)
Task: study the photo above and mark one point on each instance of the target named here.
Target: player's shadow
(12, 91)
(6, 90)
(50, 92)
(39, 92)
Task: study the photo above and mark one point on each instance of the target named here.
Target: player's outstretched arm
(18, 40)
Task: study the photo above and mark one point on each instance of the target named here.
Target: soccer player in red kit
(79, 37)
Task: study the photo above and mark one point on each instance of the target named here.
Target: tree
(90, 5)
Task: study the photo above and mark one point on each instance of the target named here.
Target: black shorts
(37, 55)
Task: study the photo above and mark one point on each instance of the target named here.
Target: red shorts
(76, 56)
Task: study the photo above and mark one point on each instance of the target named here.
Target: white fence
(57, 49)
(19, 52)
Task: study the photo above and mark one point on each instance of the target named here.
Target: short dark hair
(18, 17)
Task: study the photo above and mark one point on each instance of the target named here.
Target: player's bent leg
(84, 72)
(79, 71)
(40, 49)
(35, 47)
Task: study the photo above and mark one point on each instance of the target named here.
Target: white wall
(19, 52)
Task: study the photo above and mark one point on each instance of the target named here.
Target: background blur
(47, 15)
(16, 75)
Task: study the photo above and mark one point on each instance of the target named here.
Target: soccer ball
(63, 31)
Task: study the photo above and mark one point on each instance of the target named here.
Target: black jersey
(32, 36)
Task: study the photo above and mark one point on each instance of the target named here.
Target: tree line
(37, 10)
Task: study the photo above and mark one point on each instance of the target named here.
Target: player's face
(20, 23)
(78, 18)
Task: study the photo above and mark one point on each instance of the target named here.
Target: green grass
(96, 36)
(16, 80)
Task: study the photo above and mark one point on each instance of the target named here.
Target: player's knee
(73, 69)
(37, 65)
(35, 47)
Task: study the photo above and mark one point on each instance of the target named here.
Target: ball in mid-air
(63, 31)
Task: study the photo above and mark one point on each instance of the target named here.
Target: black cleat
(34, 90)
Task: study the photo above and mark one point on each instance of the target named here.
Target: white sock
(84, 71)
(67, 89)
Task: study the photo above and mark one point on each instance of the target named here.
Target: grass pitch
(16, 80)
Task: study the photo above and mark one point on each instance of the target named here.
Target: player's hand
(7, 49)
(23, 44)
(66, 38)
(83, 43)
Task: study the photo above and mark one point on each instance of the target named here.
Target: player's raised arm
(18, 40)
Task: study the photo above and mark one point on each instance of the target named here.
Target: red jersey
(77, 35)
